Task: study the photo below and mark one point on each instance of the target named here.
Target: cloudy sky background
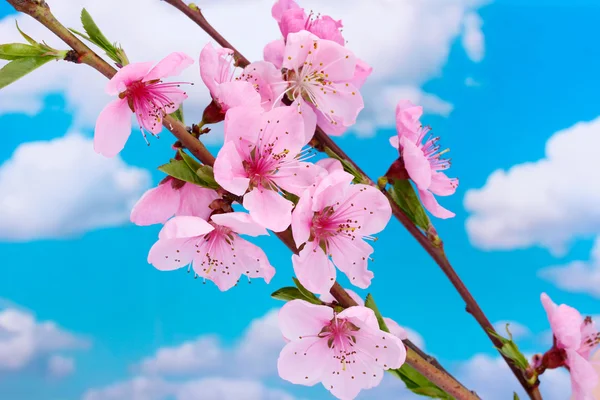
(511, 87)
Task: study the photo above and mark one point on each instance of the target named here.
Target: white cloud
(259, 346)
(412, 49)
(471, 82)
(60, 366)
(60, 188)
(24, 341)
(547, 203)
(472, 38)
(212, 388)
(516, 329)
(577, 276)
(491, 378)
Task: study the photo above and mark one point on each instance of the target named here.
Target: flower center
(341, 337)
(332, 222)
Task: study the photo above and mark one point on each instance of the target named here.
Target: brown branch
(436, 252)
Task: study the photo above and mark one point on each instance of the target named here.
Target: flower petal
(301, 361)
(395, 329)
(273, 52)
(351, 257)
(361, 73)
(346, 379)
(240, 222)
(267, 81)
(296, 176)
(395, 142)
(314, 269)
(195, 200)
(254, 261)
(282, 6)
(243, 124)
(441, 185)
(326, 27)
(339, 105)
(302, 219)
(185, 227)
(328, 297)
(331, 189)
(407, 119)
(335, 60)
(125, 76)
(566, 326)
(171, 254)
(297, 46)
(156, 206)
(113, 128)
(269, 209)
(416, 163)
(229, 170)
(431, 204)
(214, 67)
(298, 318)
(292, 20)
(236, 94)
(309, 116)
(171, 65)
(282, 131)
(584, 377)
(330, 165)
(376, 209)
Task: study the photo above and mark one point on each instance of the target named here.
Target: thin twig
(436, 252)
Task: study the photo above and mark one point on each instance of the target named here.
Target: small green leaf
(19, 50)
(178, 114)
(206, 174)
(308, 295)
(26, 37)
(180, 170)
(189, 160)
(20, 67)
(511, 351)
(515, 396)
(405, 196)
(95, 35)
(287, 294)
(370, 303)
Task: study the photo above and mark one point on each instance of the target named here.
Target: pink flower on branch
(141, 91)
(331, 220)
(214, 249)
(319, 74)
(291, 18)
(422, 158)
(574, 339)
(255, 85)
(262, 156)
(346, 351)
(171, 198)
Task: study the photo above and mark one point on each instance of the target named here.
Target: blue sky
(537, 76)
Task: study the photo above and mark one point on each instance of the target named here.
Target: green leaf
(189, 160)
(26, 37)
(12, 51)
(308, 295)
(370, 303)
(287, 294)
(405, 196)
(515, 396)
(178, 115)
(180, 170)
(20, 67)
(95, 35)
(511, 351)
(207, 175)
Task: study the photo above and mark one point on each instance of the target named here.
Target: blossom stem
(433, 247)
(40, 10)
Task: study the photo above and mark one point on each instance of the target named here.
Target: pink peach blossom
(422, 158)
(575, 338)
(336, 215)
(255, 85)
(319, 74)
(291, 18)
(214, 249)
(261, 156)
(159, 204)
(141, 91)
(345, 351)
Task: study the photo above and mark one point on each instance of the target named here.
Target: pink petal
(346, 380)
(297, 176)
(548, 304)
(395, 142)
(327, 28)
(269, 209)
(361, 73)
(240, 222)
(313, 268)
(127, 75)
(309, 116)
(292, 20)
(361, 316)
(441, 185)
(350, 256)
(282, 6)
(156, 206)
(376, 209)
(171, 65)
(395, 329)
(267, 81)
(328, 297)
(243, 124)
(298, 318)
(236, 94)
(170, 254)
(184, 227)
(330, 164)
(229, 170)
(431, 204)
(302, 219)
(566, 326)
(387, 349)
(331, 189)
(301, 361)
(297, 47)
(195, 201)
(176, 96)
(214, 67)
(113, 128)
(407, 119)
(339, 105)
(584, 378)
(336, 61)
(283, 131)
(416, 163)
(254, 260)
(273, 52)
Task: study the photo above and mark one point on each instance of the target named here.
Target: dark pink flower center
(341, 337)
